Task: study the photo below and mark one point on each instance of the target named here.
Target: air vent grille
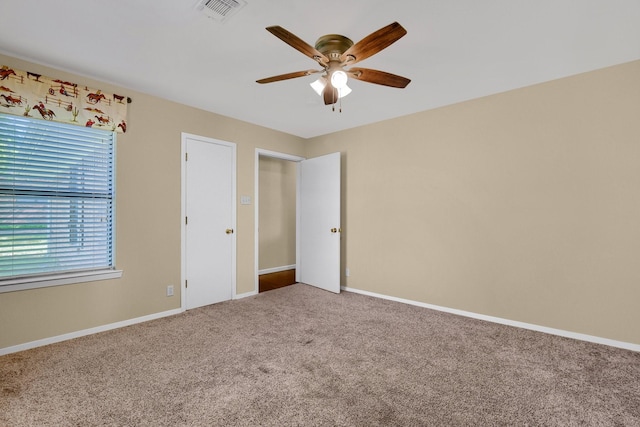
(220, 10)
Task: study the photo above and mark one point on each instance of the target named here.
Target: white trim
(36, 282)
(256, 219)
(517, 324)
(276, 269)
(245, 295)
(277, 155)
(298, 223)
(183, 214)
(256, 199)
(114, 207)
(183, 202)
(84, 332)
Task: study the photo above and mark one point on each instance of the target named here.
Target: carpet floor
(299, 356)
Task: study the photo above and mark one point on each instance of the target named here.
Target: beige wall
(523, 205)
(277, 217)
(148, 219)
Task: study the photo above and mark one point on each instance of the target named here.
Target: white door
(209, 223)
(319, 222)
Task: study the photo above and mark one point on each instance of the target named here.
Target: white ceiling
(453, 51)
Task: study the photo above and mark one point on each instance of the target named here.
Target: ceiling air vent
(220, 10)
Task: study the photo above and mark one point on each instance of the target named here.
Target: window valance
(33, 95)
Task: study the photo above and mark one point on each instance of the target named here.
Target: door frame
(277, 155)
(183, 210)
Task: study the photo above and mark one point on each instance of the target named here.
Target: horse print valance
(29, 94)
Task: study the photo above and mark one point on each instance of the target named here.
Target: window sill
(24, 284)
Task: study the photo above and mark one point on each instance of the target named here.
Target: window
(56, 203)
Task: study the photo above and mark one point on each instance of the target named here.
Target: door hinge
(186, 220)
(186, 157)
(186, 283)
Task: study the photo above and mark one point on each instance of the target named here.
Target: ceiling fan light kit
(334, 52)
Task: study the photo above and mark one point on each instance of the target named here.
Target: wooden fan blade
(288, 76)
(298, 44)
(330, 94)
(374, 43)
(378, 77)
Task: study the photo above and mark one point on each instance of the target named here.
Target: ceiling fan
(335, 52)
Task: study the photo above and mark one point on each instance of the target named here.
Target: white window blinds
(56, 198)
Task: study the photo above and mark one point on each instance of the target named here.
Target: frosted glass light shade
(339, 79)
(346, 90)
(319, 85)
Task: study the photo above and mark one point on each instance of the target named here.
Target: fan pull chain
(333, 106)
(333, 98)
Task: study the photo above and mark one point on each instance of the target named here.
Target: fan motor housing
(333, 45)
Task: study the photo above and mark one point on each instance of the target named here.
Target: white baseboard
(538, 328)
(276, 269)
(246, 294)
(84, 332)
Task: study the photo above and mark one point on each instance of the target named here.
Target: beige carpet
(299, 356)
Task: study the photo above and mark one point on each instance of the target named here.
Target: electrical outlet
(170, 290)
(347, 273)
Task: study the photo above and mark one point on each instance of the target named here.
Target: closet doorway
(276, 219)
(317, 221)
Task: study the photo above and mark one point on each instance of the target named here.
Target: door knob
(229, 231)
(336, 230)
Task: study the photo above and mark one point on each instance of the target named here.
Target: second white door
(319, 222)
